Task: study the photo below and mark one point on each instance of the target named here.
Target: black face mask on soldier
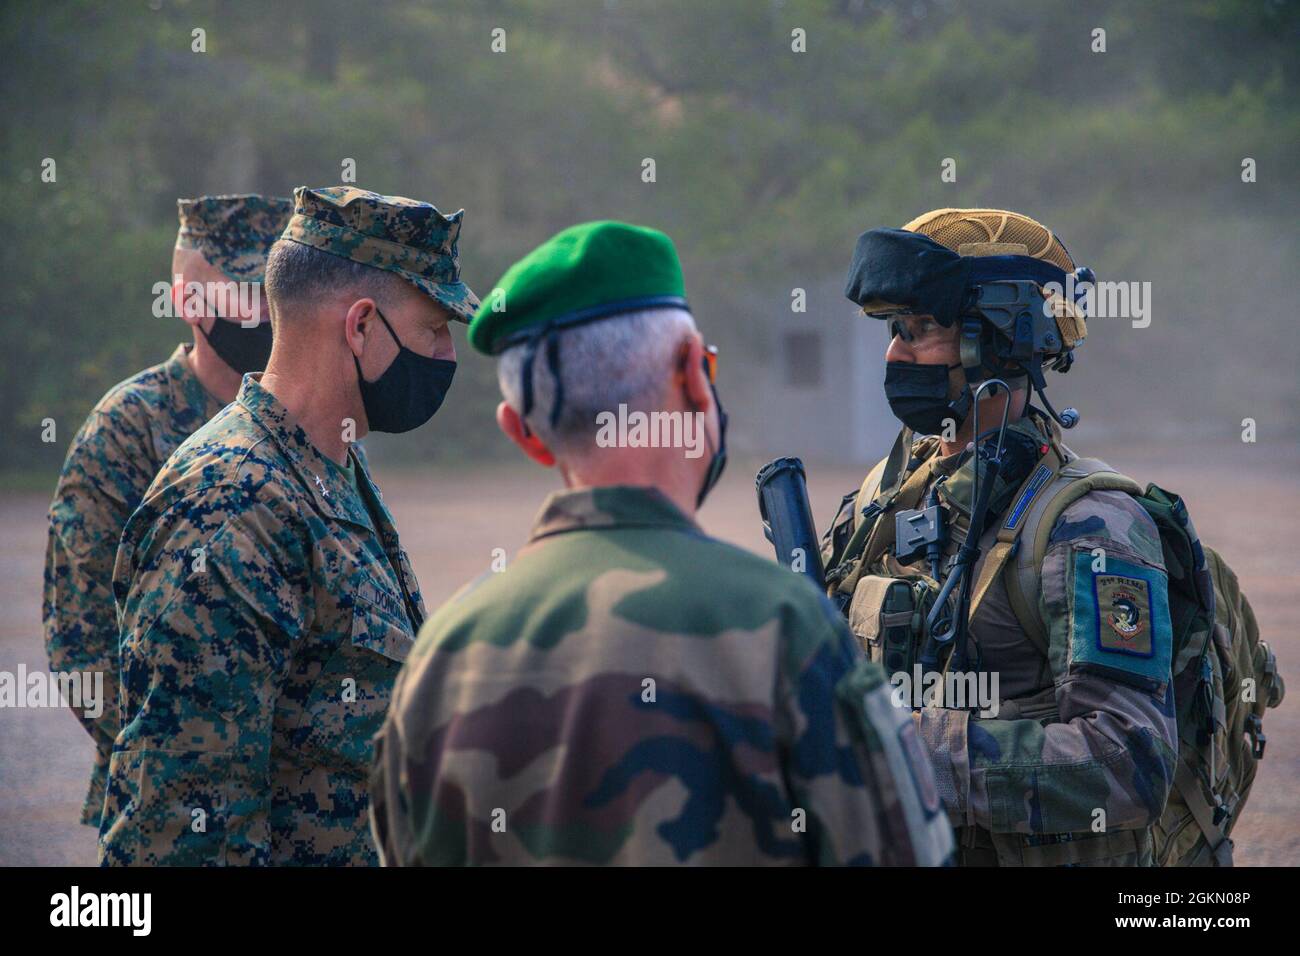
(918, 396)
(718, 463)
(243, 349)
(408, 392)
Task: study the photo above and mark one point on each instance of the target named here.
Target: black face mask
(918, 396)
(408, 392)
(718, 463)
(244, 350)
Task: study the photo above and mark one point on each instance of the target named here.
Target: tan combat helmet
(992, 232)
(1001, 232)
(986, 232)
(997, 291)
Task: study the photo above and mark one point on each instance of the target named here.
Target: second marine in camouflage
(629, 690)
(266, 601)
(135, 427)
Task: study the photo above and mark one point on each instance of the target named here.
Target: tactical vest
(1217, 650)
(862, 573)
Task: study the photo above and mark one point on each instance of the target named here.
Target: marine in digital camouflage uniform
(266, 600)
(629, 690)
(129, 434)
(1077, 763)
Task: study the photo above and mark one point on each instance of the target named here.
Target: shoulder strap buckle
(1255, 731)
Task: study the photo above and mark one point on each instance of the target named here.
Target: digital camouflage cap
(410, 238)
(235, 232)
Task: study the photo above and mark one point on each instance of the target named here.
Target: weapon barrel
(787, 518)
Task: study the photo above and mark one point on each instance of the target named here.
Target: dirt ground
(1245, 500)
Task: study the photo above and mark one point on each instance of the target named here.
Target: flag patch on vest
(1032, 488)
(1120, 617)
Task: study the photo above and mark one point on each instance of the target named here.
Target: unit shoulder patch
(1120, 617)
(1124, 606)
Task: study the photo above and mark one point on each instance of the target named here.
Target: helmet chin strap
(960, 406)
(972, 366)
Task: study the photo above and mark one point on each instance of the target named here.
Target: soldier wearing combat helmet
(1073, 763)
(222, 241)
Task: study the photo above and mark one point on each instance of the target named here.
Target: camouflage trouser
(977, 847)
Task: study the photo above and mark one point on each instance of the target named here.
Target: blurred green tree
(769, 162)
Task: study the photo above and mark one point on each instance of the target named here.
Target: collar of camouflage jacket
(1025, 443)
(609, 506)
(325, 481)
(187, 392)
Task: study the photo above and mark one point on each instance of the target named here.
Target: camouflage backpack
(1224, 676)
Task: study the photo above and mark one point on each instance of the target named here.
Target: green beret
(587, 272)
(410, 238)
(234, 233)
